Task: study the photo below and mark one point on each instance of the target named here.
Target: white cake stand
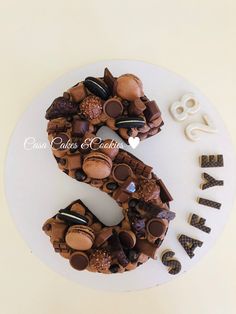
(36, 189)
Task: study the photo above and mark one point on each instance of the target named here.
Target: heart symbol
(133, 141)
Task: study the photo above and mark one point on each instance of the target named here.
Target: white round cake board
(36, 189)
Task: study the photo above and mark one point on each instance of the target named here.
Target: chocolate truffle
(100, 260)
(91, 107)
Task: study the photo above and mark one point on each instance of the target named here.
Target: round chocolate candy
(113, 108)
(155, 227)
(121, 172)
(79, 260)
(97, 87)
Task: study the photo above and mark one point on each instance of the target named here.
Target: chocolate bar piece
(152, 111)
(210, 182)
(189, 244)
(211, 161)
(199, 222)
(173, 264)
(209, 203)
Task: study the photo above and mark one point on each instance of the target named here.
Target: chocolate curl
(118, 249)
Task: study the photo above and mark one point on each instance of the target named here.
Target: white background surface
(42, 40)
(36, 189)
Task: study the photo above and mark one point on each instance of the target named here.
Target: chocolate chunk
(73, 161)
(61, 107)
(136, 107)
(60, 141)
(164, 193)
(210, 182)
(109, 79)
(137, 224)
(211, 161)
(152, 111)
(129, 185)
(72, 217)
(77, 93)
(147, 248)
(173, 264)
(209, 203)
(97, 87)
(79, 127)
(189, 244)
(80, 175)
(166, 214)
(199, 222)
(118, 250)
(120, 196)
(130, 122)
(113, 108)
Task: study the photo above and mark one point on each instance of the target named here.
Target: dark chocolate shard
(61, 107)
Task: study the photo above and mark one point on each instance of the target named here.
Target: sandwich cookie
(97, 87)
(72, 217)
(130, 122)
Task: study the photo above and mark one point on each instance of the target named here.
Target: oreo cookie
(72, 217)
(130, 122)
(97, 87)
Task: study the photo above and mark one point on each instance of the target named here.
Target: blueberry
(111, 186)
(133, 256)
(80, 175)
(114, 268)
(133, 202)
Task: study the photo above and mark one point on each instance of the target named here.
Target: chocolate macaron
(97, 165)
(128, 86)
(80, 238)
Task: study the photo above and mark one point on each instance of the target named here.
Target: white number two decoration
(189, 105)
